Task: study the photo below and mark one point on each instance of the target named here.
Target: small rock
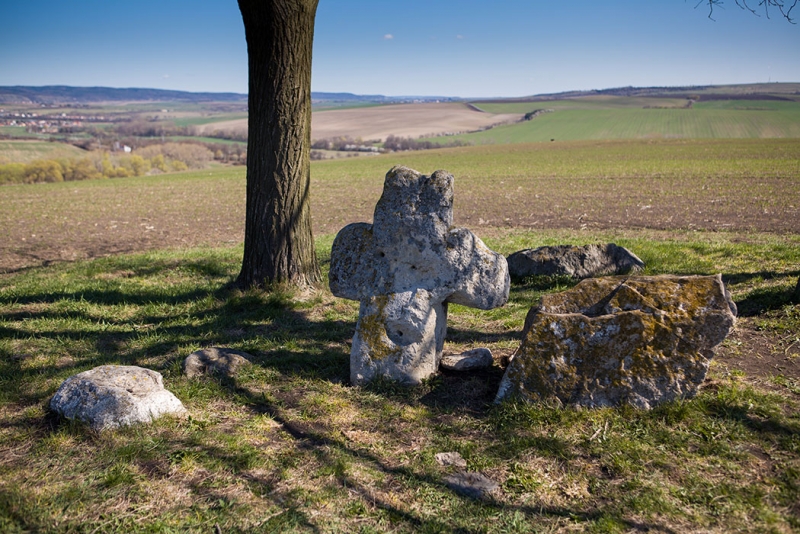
(468, 361)
(570, 260)
(450, 458)
(112, 396)
(474, 485)
(215, 360)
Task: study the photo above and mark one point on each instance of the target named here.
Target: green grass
(585, 103)
(197, 121)
(15, 131)
(27, 151)
(205, 140)
(604, 122)
(288, 446)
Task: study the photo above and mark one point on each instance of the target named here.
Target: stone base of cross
(404, 269)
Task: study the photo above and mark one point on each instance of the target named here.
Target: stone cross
(404, 269)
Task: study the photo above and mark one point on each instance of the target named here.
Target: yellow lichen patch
(371, 329)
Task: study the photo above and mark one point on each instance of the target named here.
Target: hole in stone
(399, 333)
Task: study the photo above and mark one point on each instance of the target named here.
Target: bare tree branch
(785, 7)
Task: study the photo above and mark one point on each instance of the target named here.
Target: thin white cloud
(388, 37)
(459, 36)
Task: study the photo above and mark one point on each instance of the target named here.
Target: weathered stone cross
(404, 269)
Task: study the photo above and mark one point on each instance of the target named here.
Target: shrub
(12, 173)
(45, 170)
(80, 169)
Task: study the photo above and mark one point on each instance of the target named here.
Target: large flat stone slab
(609, 341)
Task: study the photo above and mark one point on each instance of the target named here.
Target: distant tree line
(397, 144)
(393, 143)
(343, 143)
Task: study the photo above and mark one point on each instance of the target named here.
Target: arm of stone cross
(353, 262)
(482, 279)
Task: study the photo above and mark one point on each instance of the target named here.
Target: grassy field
(14, 131)
(289, 446)
(198, 121)
(604, 120)
(27, 151)
(214, 140)
(659, 185)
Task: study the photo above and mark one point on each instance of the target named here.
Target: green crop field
(202, 139)
(589, 102)
(620, 117)
(27, 151)
(631, 123)
(741, 185)
(14, 131)
(197, 121)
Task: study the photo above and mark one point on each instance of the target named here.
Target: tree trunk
(278, 242)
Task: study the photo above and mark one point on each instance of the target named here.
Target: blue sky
(464, 48)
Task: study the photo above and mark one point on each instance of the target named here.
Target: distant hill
(64, 94)
(752, 91)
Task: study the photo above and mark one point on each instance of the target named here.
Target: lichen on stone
(638, 340)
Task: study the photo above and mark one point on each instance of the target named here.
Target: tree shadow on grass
(331, 448)
(84, 327)
(300, 348)
(761, 300)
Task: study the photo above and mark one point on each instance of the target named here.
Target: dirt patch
(769, 358)
(404, 120)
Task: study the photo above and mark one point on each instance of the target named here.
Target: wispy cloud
(388, 37)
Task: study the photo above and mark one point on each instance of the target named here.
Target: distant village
(47, 123)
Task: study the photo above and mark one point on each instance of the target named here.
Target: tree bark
(278, 242)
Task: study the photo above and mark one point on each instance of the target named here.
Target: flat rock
(474, 485)
(405, 269)
(450, 458)
(576, 261)
(468, 361)
(112, 396)
(609, 341)
(215, 360)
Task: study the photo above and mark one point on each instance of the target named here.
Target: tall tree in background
(278, 242)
